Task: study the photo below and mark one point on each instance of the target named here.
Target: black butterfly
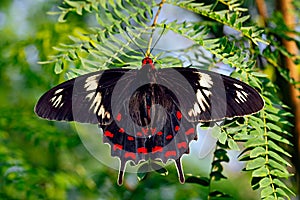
(149, 113)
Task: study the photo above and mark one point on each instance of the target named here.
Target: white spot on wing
(96, 102)
(53, 98)
(56, 100)
(201, 104)
(241, 96)
(201, 99)
(238, 86)
(205, 80)
(197, 109)
(101, 112)
(90, 96)
(58, 91)
(91, 83)
(237, 100)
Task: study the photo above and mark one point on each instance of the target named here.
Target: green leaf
(222, 137)
(256, 163)
(280, 184)
(216, 132)
(280, 174)
(265, 182)
(259, 74)
(271, 198)
(274, 127)
(257, 151)
(266, 192)
(257, 127)
(279, 158)
(281, 192)
(278, 138)
(59, 66)
(241, 136)
(233, 145)
(277, 148)
(253, 142)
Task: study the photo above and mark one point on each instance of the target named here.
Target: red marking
(153, 130)
(190, 131)
(139, 134)
(145, 130)
(159, 133)
(117, 146)
(181, 145)
(130, 154)
(108, 134)
(157, 148)
(121, 130)
(142, 150)
(169, 137)
(119, 117)
(130, 138)
(176, 128)
(148, 112)
(178, 115)
(148, 61)
(170, 153)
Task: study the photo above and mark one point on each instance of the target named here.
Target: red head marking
(148, 61)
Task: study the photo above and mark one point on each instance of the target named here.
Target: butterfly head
(148, 61)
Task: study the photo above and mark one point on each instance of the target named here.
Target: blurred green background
(40, 159)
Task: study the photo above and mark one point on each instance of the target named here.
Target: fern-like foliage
(264, 136)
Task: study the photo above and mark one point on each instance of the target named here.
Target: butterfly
(149, 113)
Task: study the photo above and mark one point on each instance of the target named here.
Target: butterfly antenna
(158, 39)
(134, 42)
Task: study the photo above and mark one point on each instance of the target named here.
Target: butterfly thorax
(147, 72)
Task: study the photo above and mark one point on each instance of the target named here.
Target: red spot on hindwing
(169, 137)
(176, 128)
(178, 115)
(139, 134)
(182, 145)
(159, 133)
(130, 138)
(108, 134)
(190, 131)
(121, 130)
(157, 149)
(142, 150)
(117, 146)
(130, 155)
(119, 117)
(170, 153)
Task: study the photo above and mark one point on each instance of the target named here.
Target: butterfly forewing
(214, 96)
(83, 99)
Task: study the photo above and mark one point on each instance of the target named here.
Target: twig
(153, 26)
